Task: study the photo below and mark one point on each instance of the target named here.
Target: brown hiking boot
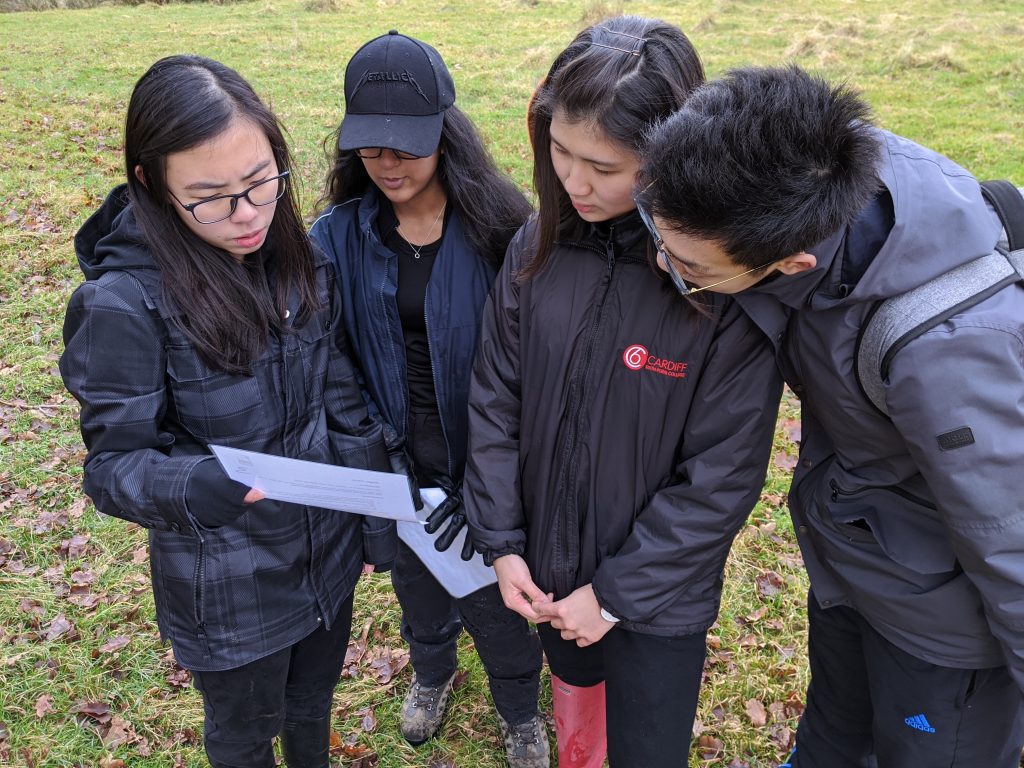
(526, 744)
(423, 710)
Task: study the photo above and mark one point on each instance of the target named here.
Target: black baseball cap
(396, 91)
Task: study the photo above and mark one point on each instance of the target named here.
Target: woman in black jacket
(206, 319)
(418, 228)
(619, 435)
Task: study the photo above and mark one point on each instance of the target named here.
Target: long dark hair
(490, 206)
(622, 75)
(223, 306)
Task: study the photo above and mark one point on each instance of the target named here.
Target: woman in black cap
(418, 225)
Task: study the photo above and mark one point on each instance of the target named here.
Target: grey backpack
(896, 321)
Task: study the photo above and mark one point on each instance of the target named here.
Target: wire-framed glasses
(220, 207)
(666, 256)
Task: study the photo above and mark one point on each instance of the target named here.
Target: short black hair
(765, 162)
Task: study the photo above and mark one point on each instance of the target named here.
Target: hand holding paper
(450, 510)
(457, 575)
(361, 491)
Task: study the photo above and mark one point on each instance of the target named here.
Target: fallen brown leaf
(784, 461)
(791, 428)
(120, 732)
(115, 643)
(367, 719)
(770, 583)
(94, 710)
(709, 746)
(756, 712)
(179, 678)
(44, 705)
(59, 626)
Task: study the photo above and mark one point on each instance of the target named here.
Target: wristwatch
(609, 617)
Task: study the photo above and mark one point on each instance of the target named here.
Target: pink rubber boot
(580, 727)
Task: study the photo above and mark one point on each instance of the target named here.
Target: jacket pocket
(179, 584)
(212, 405)
(906, 528)
(199, 597)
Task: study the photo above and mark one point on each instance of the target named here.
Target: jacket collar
(625, 234)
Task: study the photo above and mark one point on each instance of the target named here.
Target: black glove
(450, 509)
(401, 465)
(213, 498)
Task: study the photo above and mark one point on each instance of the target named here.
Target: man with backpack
(772, 185)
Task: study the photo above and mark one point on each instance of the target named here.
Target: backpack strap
(895, 322)
(1008, 203)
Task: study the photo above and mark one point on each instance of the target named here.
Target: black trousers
(432, 619)
(871, 704)
(246, 707)
(651, 689)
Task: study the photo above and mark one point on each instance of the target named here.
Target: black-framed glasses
(372, 153)
(214, 209)
(666, 256)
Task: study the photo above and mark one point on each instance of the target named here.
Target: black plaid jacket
(225, 596)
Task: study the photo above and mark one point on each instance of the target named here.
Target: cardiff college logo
(635, 356)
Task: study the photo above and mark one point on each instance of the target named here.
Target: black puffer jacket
(618, 435)
(228, 595)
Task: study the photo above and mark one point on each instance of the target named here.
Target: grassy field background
(83, 678)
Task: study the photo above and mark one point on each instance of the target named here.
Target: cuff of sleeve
(380, 543)
(490, 555)
(167, 484)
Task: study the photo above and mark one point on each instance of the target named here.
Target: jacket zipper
(838, 490)
(567, 524)
(289, 349)
(198, 581)
(437, 396)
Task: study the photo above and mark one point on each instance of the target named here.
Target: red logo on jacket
(636, 357)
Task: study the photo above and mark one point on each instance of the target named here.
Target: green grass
(950, 77)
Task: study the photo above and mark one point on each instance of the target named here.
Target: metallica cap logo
(396, 92)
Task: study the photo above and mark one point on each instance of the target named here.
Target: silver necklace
(415, 250)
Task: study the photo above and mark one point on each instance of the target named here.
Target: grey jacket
(618, 435)
(230, 594)
(916, 526)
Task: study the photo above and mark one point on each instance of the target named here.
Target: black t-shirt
(413, 275)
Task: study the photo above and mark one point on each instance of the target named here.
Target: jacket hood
(939, 221)
(111, 239)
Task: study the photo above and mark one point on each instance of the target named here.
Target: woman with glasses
(619, 434)
(207, 319)
(418, 225)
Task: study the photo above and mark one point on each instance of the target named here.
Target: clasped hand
(578, 616)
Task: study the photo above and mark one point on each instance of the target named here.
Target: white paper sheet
(456, 575)
(362, 491)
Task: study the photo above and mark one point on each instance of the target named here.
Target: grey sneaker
(423, 709)
(526, 744)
